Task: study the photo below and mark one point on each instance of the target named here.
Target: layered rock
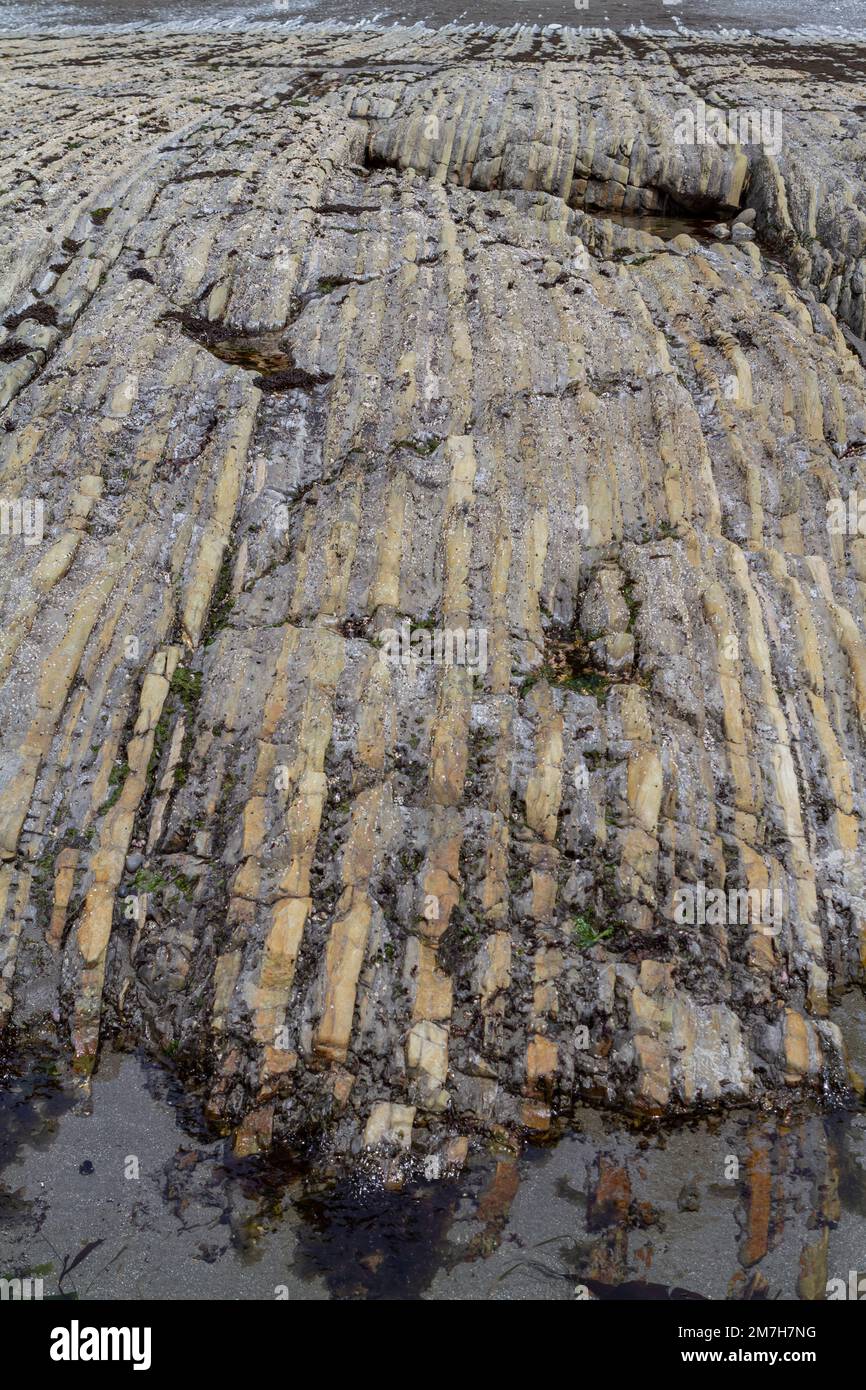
(364, 355)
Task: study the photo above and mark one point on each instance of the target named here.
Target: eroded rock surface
(310, 337)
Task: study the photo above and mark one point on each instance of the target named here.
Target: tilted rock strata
(291, 372)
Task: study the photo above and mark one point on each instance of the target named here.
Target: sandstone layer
(309, 336)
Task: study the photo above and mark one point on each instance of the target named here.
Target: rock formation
(322, 354)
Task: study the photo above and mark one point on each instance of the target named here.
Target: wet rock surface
(307, 338)
(741, 1207)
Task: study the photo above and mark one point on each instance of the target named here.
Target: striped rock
(417, 575)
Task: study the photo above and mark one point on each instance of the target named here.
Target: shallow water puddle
(107, 1195)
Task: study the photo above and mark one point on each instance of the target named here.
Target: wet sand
(110, 1197)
